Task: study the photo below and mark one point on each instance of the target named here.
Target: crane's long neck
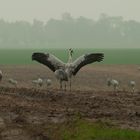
(70, 57)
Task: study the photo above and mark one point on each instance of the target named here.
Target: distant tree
(107, 31)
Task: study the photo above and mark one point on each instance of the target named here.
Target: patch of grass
(112, 56)
(84, 130)
(80, 129)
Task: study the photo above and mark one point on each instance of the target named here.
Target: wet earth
(27, 112)
(22, 108)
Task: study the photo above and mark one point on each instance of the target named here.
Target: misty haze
(81, 32)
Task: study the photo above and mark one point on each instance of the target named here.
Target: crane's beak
(71, 51)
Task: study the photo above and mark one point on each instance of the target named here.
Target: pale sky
(12, 10)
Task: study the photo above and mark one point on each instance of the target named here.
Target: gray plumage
(61, 75)
(38, 82)
(64, 71)
(132, 84)
(84, 60)
(114, 83)
(12, 82)
(48, 82)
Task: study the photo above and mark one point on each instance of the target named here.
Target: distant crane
(38, 82)
(132, 84)
(13, 82)
(114, 83)
(64, 71)
(48, 82)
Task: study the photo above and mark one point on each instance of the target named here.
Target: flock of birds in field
(64, 71)
(37, 82)
(115, 84)
(40, 82)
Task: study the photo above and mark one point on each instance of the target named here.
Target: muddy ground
(26, 109)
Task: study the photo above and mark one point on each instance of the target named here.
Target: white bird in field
(13, 82)
(48, 82)
(39, 82)
(132, 84)
(65, 71)
(114, 83)
(0, 75)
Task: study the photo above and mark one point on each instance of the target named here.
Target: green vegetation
(84, 130)
(112, 56)
(81, 129)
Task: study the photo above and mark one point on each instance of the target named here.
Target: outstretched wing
(86, 59)
(49, 60)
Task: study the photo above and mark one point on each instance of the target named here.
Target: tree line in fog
(71, 32)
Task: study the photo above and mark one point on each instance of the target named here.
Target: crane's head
(71, 51)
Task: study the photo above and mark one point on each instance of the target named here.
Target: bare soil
(26, 110)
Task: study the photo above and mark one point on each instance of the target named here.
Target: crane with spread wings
(64, 71)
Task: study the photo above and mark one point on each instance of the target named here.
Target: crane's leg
(70, 84)
(115, 90)
(133, 90)
(65, 86)
(60, 84)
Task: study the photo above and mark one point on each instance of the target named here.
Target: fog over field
(45, 9)
(64, 24)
